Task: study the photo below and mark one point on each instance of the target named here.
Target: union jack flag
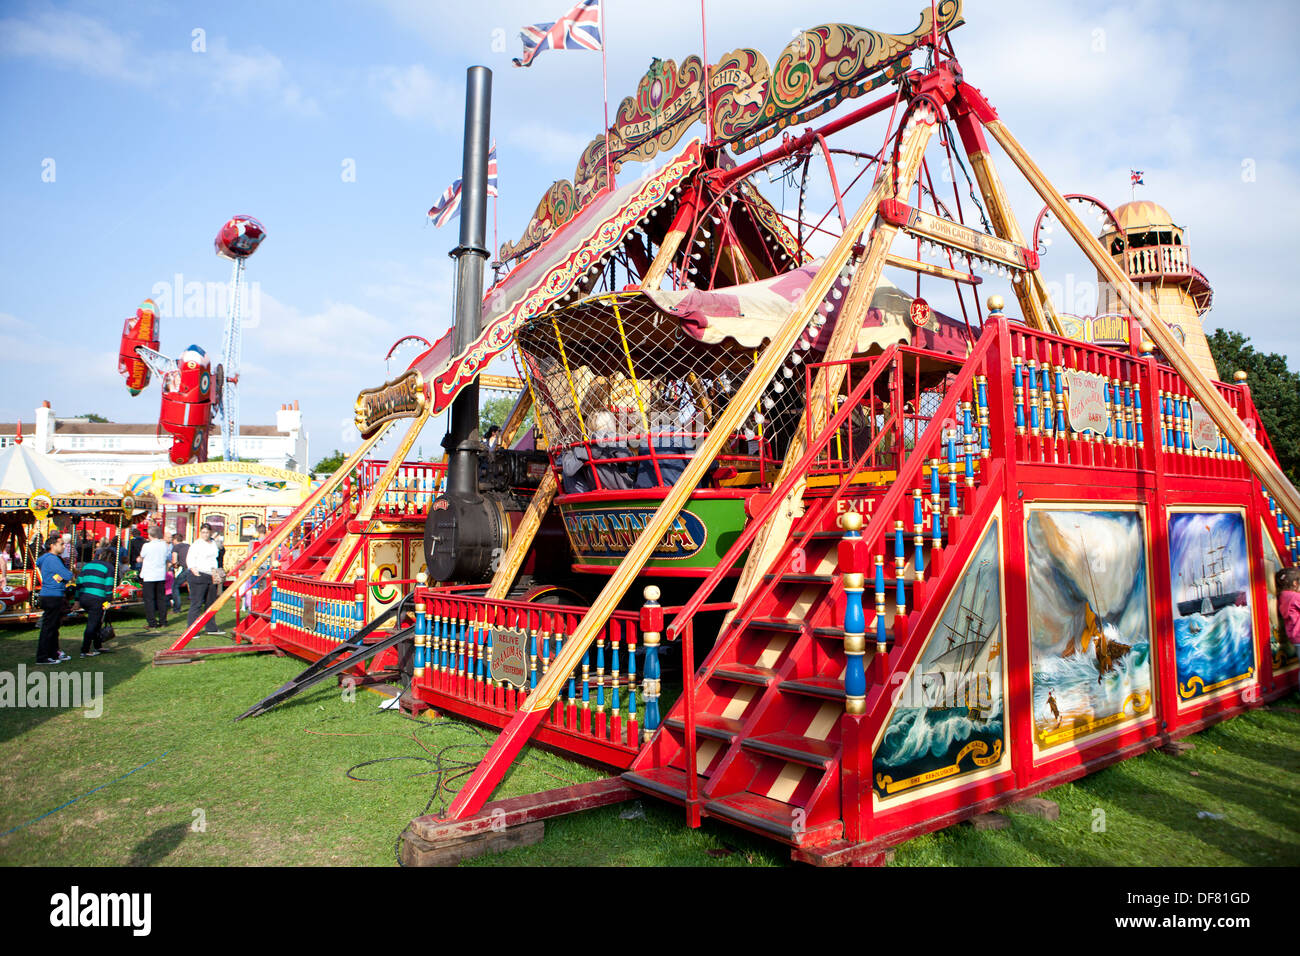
(1136, 176)
(579, 29)
(447, 207)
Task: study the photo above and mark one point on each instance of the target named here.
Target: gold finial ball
(1147, 346)
(422, 579)
(851, 521)
(651, 593)
(1239, 375)
(995, 303)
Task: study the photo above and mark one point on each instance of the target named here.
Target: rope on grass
(83, 796)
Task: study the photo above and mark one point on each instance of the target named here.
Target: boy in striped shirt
(96, 586)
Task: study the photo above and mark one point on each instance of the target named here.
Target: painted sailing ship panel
(1283, 652)
(948, 721)
(1089, 622)
(1210, 588)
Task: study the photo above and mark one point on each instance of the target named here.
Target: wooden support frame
(338, 563)
(497, 761)
(842, 346)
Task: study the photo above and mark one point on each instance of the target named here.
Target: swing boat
(803, 471)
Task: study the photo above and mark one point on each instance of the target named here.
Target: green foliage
(495, 411)
(92, 417)
(329, 464)
(1274, 387)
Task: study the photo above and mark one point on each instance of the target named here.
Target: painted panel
(1214, 633)
(415, 562)
(385, 563)
(948, 722)
(1089, 622)
(1283, 652)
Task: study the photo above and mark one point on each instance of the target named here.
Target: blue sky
(154, 145)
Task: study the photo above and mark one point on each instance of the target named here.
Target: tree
(92, 417)
(495, 411)
(330, 463)
(1274, 388)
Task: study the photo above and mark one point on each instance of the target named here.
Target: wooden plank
(929, 268)
(515, 420)
(681, 224)
(843, 344)
(282, 532)
(1138, 305)
(339, 562)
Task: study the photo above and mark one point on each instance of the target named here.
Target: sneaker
(64, 657)
(48, 660)
(218, 633)
(91, 654)
(105, 650)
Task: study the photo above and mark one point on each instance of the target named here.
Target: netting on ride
(624, 395)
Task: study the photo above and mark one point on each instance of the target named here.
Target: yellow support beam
(1138, 305)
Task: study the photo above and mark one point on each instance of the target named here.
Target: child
(1288, 603)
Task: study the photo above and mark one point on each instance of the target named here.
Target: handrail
(753, 527)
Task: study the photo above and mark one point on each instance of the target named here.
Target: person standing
(180, 549)
(204, 576)
(133, 552)
(55, 578)
(153, 572)
(95, 586)
(220, 542)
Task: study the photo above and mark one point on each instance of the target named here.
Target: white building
(108, 453)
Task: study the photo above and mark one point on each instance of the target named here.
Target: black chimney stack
(463, 441)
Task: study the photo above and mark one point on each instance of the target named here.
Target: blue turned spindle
(1020, 398)
(1061, 427)
(1045, 392)
(1031, 373)
(855, 619)
(918, 534)
(982, 393)
(882, 638)
(1137, 417)
(900, 567)
(968, 444)
(952, 471)
(936, 509)
(421, 629)
(652, 626)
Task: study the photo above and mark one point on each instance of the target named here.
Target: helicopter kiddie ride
(932, 565)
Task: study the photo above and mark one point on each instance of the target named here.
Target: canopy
(24, 470)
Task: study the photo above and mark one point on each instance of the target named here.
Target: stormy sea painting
(1210, 584)
(1089, 622)
(948, 719)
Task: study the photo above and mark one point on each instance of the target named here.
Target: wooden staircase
(766, 712)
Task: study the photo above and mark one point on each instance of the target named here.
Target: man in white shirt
(204, 576)
(153, 572)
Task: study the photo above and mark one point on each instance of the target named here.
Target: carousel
(40, 496)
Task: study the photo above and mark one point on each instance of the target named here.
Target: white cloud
(414, 93)
(74, 41)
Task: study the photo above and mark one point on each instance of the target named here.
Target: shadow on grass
(159, 845)
(18, 646)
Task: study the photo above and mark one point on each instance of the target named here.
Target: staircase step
(794, 747)
(709, 725)
(793, 578)
(664, 781)
(745, 673)
(830, 688)
(769, 816)
(793, 627)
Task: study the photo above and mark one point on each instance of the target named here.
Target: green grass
(274, 790)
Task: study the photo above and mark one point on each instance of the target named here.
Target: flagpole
(708, 110)
(604, 95)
